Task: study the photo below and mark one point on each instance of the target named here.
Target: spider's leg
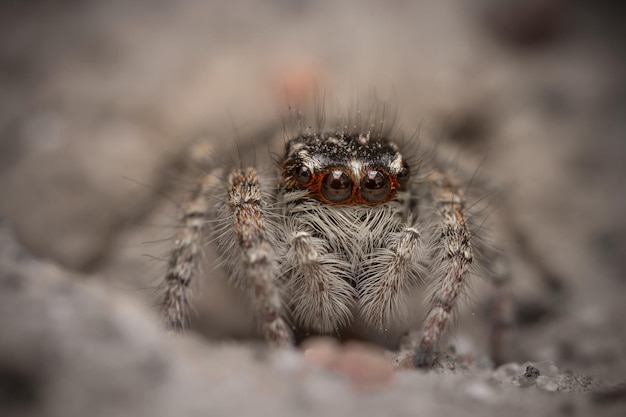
(185, 256)
(253, 258)
(453, 258)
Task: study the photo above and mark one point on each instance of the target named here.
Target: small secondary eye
(374, 186)
(303, 175)
(337, 186)
(403, 176)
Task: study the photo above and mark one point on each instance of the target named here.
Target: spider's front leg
(257, 267)
(452, 261)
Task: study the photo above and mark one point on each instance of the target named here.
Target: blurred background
(99, 99)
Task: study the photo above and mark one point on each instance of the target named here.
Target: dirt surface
(99, 101)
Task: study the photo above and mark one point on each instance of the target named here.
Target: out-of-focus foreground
(100, 98)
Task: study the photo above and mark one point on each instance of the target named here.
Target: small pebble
(365, 366)
(531, 372)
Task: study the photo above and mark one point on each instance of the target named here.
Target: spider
(351, 232)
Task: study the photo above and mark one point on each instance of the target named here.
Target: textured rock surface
(73, 349)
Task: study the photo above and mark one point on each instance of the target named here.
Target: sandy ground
(98, 102)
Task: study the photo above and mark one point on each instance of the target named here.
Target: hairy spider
(349, 233)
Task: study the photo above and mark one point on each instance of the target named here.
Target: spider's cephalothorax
(340, 169)
(343, 237)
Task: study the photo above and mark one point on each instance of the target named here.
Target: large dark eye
(374, 186)
(303, 175)
(403, 176)
(337, 186)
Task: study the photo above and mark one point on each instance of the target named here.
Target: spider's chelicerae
(350, 233)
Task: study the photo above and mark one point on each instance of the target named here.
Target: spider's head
(344, 169)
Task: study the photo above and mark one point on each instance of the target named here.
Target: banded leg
(455, 258)
(256, 266)
(388, 273)
(184, 260)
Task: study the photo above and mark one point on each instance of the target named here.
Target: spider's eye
(303, 175)
(337, 186)
(403, 176)
(374, 186)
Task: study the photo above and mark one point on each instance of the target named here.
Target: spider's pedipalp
(390, 274)
(323, 298)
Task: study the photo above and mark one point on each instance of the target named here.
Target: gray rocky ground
(99, 100)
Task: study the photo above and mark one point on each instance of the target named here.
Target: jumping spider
(350, 233)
